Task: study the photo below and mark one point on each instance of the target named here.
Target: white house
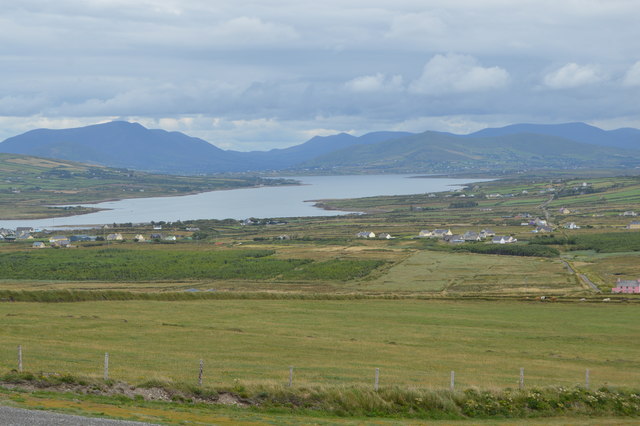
(487, 233)
(366, 234)
(441, 233)
(425, 233)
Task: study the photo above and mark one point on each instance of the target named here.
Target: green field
(413, 342)
(132, 265)
(469, 273)
(336, 307)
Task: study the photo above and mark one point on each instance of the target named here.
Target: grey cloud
(275, 70)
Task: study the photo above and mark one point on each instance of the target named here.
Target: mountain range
(516, 147)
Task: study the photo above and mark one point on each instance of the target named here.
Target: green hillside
(29, 186)
(439, 152)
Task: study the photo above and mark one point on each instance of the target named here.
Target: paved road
(10, 416)
(583, 277)
(589, 282)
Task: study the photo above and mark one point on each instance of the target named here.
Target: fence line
(376, 383)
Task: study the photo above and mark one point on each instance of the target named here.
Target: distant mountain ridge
(519, 146)
(443, 152)
(626, 138)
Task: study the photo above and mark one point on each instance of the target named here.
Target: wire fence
(209, 372)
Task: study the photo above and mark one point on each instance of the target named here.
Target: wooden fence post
(106, 366)
(290, 376)
(377, 379)
(452, 383)
(19, 358)
(521, 385)
(586, 379)
(200, 373)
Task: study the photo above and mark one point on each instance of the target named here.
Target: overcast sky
(263, 74)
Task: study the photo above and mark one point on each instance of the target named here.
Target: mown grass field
(413, 342)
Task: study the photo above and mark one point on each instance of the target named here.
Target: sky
(262, 74)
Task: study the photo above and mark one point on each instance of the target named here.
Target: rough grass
(465, 273)
(117, 264)
(360, 401)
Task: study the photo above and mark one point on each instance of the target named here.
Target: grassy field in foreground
(413, 342)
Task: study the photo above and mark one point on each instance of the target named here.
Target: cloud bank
(269, 73)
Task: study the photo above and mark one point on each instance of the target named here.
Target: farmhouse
(365, 234)
(114, 237)
(57, 238)
(507, 239)
(385, 236)
(441, 233)
(542, 229)
(139, 238)
(571, 225)
(454, 239)
(539, 222)
(21, 230)
(565, 210)
(634, 225)
(425, 233)
(38, 244)
(471, 236)
(61, 243)
(487, 233)
(626, 286)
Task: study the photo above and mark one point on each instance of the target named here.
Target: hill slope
(439, 152)
(516, 147)
(130, 145)
(626, 138)
(122, 144)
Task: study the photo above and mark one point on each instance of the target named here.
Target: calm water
(264, 202)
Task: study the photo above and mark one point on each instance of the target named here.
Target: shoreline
(97, 209)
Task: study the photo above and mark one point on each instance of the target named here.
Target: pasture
(415, 343)
(470, 273)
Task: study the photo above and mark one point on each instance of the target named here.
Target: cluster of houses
(67, 241)
(20, 233)
(540, 225)
(468, 236)
(369, 234)
(450, 237)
